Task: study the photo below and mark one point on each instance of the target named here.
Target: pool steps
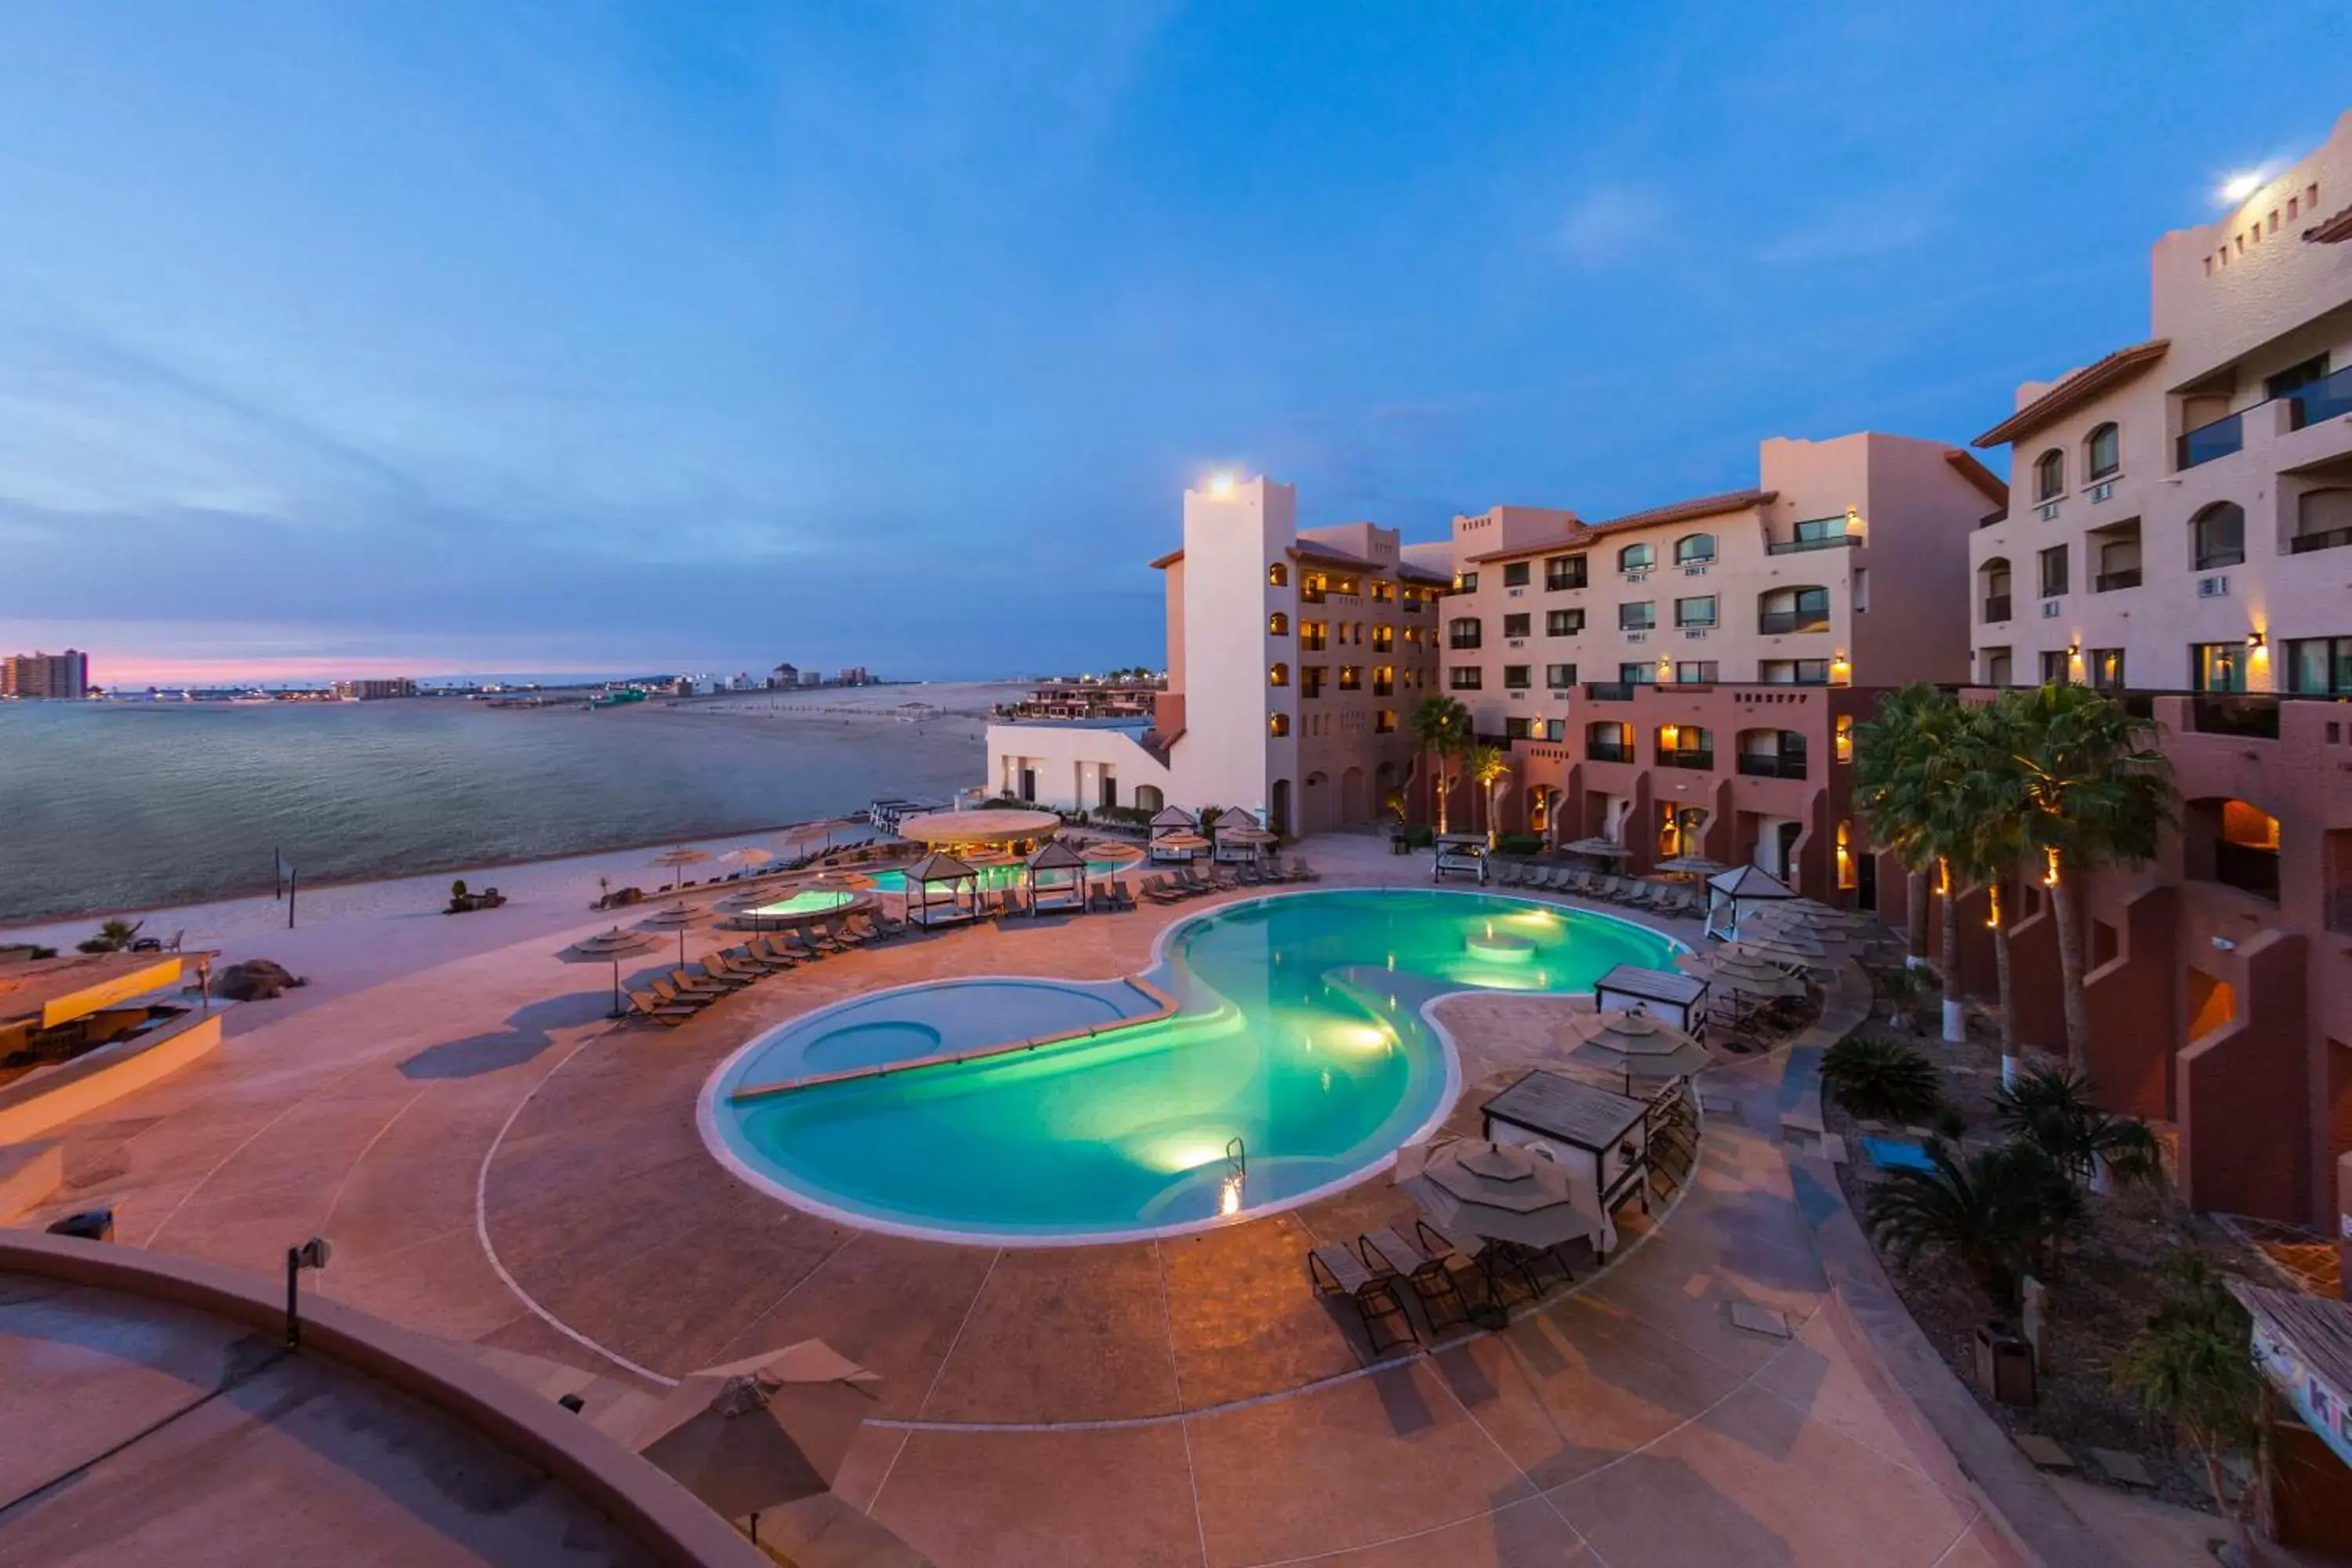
(1163, 1007)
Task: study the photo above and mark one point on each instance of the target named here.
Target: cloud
(1852, 231)
(1610, 225)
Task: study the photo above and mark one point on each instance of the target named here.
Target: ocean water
(106, 805)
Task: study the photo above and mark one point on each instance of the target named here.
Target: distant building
(375, 690)
(46, 674)
(784, 676)
(854, 676)
(1084, 698)
(812, 678)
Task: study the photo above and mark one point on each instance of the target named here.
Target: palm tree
(112, 936)
(2193, 1367)
(2052, 1109)
(1490, 770)
(1971, 1211)
(2096, 796)
(1988, 808)
(1441, 728)
(1871, 1076)
(1907, 762)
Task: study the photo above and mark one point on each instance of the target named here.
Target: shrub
(2050, 1107)
(1520, 844)
(1881, 1078)
(1950, 1124)
(1997, 1214)
(1417, 835)
(458, 888)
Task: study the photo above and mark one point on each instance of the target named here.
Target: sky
(401, 336)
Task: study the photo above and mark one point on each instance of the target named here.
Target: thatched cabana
(1174, 823)
(961, 901)
(1057, 880)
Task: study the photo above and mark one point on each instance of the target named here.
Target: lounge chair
(797, 944)
(819, 938)
(1160, 891)
(718, 967)
(1498, 1264)
(848, 935)
(1300, 871)
(652, 1008)
(1335, 1270)
(665, 990)
(704, 981)
(1123, 897)
(753, 956)
(1100, 899)
(1442, 1302)
(768, 950)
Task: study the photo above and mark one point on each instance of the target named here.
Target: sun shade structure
(758, 1433)
(677, 860)
(1604, 848)
(1184, 846)
(1502, 1191)
(1058, 879)
(1631, 1046)
(941, 891)
(1744, 974)
(962, 830)
(1810, 918)
(674, 917)
(746, 857)
(1732, 895)
(1666, 995)
(1244, 840)
(608, 947)
(1689, 865)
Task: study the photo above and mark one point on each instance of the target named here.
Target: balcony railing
(1609, 690)
(1770, 765)
(1996, 608)
(2108, 582)
(2206, 442)
(2247, 869)
(2253, 716)
(1823, 542)
(1772, 623)
(1561, 582)
(2323, 399)
(1608, 751)
(1698, 761)
(2328, 539)
(1460, 643)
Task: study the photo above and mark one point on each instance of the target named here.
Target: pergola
(941, 871)
(1174, 823)
(1731, 894)
(1058, 879)
(1246, 840)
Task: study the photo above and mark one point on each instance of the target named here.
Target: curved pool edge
(707, 1099)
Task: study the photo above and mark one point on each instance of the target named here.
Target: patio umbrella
(1631, 1044)
(676, 916)
(610, 946)
(1785, 947)
(1689, 865)
(677, 860)
(1499, 1191)
(1746, 973)
(1804, 916)
(758, 1433)
(1249, 835)
(746, 856)
(1184, 842)
(1607, 849)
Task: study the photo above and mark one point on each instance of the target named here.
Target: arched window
(1845, 737)
(2048, 475)
(2219, 536)
(1278, 724)
(1278, 676)
(1694, 550)
(1637, 558)
(1278, 575)
(2102, 452)
(1277, 624)
(1846, 871)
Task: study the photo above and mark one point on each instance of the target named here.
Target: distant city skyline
(383, 341)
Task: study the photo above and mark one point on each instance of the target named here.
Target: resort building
(383, 690)
(1683, 680)
(1294, 658)
(1084, 697)
(2184, 520)
(46, 674)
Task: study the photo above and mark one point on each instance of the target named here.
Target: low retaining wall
(104, 1076)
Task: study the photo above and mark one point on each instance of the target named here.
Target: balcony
(2108, 582)
(2330, 538)
(1820, 541)
(1996, 608)
(2253, 716)
(1773, 623)
(1461, 644)
(1563, 582)
(1696, 762)
(2206, 442)
(1608, 751)
(1609, 690)
(2247, 869)
(2326, 398)
(1771, 765)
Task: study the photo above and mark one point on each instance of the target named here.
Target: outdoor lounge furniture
(1497, 1265)
(665, 992)
(1431, 1278)
(709, 984)
(769, 951)
(655, 1010)
(1336, 1271)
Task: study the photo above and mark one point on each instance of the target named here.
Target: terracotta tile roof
(2074, 391)
(1680, 512)
(2333, 231)
(1986, 482)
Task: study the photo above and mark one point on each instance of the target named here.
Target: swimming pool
(996, 879)
(806, 903)
(943, 1017)
(1298, 1033)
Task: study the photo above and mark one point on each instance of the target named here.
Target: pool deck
(497, 1166)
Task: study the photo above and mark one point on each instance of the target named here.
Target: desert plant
(1881, 1078)
(1999, 1213)
(2051, 1107)
(112, 936)
(1950, 1125)
(1520, 843)
(2192, 1368)
(1908, 759)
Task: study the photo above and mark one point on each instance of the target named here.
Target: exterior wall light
(2254, 639)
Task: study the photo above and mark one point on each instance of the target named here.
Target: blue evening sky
(476, 335)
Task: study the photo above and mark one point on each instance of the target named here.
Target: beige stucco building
(1293, 655)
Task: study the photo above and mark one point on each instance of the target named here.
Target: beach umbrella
(675, 917)
(677, 860)
(1788, 947)
(758, 1433)
(746, 856)
(1689, 865)
(1746, 973)
(608, 947)
(1631, 1044)
(1499, 1191)
(1605, 848)
(1806, 917)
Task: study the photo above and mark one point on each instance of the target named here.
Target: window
(2053, 571)
(1794, 671)
(1699, 612)
(1515, 574)
(2055, 671)
(1314, 636)
(1278, 724)
(1384, 593)
(1310, 677)
(1515, 678)
(1463, 633)
(1560, 677)
(1464, 677)
(1351, 678)
(1817, 532)
(1793, 610)
(2220, 536)
(1383, 639)
(2217, 666)
(1861, 590)
(1636, 558)
(1384, 721)
(1684, 746)
(1312, 586)
(1278, 575)
(1609, 743)
(1844, 738)
(2106, 666)
(1465, 581)
(1643, 674)
(1996, 666)
(1383, 680)
(2319, 667)
(1277, 624)
(1638, 618)
(1694, 550)
(2049, 475)
(1520, 729)
(1515, 625)
(2295, 378)
(2232, 842)
(1563, 572)
(1697, 672)
(1563, 622)
(2102, 453)
(1772, 753)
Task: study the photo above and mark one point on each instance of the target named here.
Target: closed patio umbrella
(677, 860)
(758, 1433)
(608, 947)
(1498, 1191)
(1632, 1046)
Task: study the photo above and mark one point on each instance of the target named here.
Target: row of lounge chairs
(687, 990)
(1374, 1275)
(1189, 882)
(1656, 898)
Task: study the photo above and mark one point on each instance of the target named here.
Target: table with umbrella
(1514, 1200)
(608, 947)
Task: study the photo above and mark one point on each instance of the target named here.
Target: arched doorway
(1278, 815)
(1355, 801)
(1543, 805)
(1148, 798)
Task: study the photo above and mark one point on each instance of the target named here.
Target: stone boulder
(255, 980)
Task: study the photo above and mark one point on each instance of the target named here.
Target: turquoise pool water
(807, 902)
(1298, 1032)
(947, 1016)
(996, 879)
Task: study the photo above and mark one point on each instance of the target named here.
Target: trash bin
(2004, 1364)
(91, 1225)
(1396, 843)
